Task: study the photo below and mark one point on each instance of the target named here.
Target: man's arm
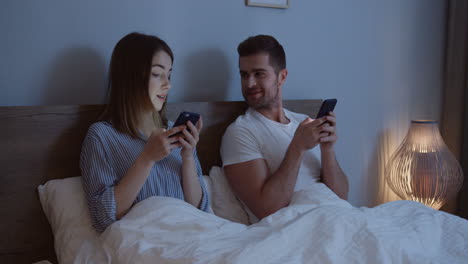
(266, 192)
(262, 193)
(332, 174)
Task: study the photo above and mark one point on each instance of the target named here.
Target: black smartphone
(184, 117)
(328, 106)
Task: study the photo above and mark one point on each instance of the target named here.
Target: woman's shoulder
(100, 127)
(102, 133)
(101, 130)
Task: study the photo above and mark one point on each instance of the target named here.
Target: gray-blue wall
(381, 59)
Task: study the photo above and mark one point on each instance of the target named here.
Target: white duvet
(317, 227)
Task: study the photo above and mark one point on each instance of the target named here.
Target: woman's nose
(166, 83)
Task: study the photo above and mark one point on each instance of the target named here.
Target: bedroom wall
(383, 61)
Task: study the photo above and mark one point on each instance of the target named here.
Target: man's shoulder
(243, 129)
(239, 142)
(242, 123)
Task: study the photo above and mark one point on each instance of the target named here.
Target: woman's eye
(155, 75)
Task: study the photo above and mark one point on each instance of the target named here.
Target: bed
(42, 143)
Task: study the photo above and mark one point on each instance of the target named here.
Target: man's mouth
(253, 92)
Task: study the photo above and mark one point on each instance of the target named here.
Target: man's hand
(309, 133)
(328, 134)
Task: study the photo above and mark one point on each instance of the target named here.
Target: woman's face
(160, 79)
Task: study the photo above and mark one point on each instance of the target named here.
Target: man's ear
(282, 76)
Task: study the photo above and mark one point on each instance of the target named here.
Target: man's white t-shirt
(253, 136)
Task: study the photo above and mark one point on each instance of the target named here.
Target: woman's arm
(159, 145)
(126, 191)
(98, 178)
(190, 182)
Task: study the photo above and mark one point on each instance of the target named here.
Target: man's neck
(275, 113)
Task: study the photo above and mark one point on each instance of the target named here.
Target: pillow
(223, 201)
(64, 205)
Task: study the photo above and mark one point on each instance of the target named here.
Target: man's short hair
(264, 44)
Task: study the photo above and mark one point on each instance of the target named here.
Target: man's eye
(259, 74)
(243, 74)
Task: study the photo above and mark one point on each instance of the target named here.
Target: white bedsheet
(317, 227)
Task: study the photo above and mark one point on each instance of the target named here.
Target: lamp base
(451, 206)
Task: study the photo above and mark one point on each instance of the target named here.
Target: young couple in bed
(135, 152)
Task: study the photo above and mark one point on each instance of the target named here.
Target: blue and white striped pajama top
(107, 154)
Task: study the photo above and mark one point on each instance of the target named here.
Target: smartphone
(184, 117)
(328, 106)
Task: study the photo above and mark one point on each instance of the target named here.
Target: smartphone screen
(187, 116)
(328, 106)
(184, 117)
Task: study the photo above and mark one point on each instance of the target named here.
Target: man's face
(260, 84)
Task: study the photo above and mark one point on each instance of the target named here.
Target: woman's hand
(190, 139)
(160, 144)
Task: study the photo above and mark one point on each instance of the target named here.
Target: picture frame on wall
(269, 3)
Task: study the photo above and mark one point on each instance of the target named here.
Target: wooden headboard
(40, 143)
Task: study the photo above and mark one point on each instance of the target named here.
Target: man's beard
(264, 102)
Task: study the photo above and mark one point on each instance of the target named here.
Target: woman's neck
(147, 124)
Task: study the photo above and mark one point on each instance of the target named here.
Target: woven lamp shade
(423, 169)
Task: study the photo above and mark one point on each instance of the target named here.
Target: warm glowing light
(423, 169)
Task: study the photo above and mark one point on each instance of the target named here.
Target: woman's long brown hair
(129, 73)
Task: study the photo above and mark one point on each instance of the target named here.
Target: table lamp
(423, 169)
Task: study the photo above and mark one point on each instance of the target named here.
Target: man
(270, 152)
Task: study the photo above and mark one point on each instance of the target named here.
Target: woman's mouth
(161, 97)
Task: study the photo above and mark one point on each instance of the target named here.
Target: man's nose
(251, 82)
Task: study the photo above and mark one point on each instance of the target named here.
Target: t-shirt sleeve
(239, 145)
(98, 183)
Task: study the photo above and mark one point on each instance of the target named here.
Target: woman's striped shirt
(107, 154)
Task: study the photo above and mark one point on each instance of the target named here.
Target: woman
(130, 155)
